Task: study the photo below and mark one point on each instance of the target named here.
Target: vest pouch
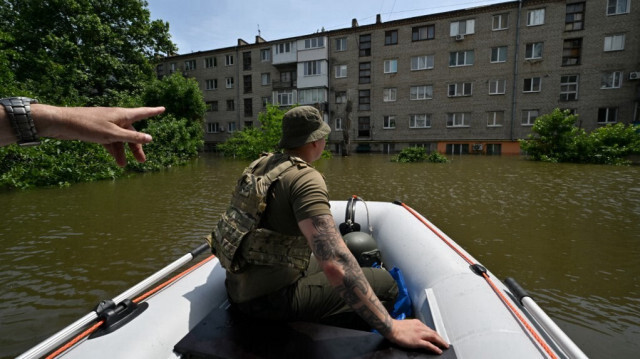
(266, 247)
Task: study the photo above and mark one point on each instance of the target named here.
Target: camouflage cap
(301, 125)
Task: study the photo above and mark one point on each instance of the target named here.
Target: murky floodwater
(569, 233)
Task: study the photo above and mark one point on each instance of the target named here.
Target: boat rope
(484, 274)
(142, 297)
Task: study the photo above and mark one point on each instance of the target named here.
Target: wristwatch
(19, 113)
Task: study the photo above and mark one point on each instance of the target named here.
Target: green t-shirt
(300, 193)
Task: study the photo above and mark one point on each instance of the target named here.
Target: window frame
(465, 87)
(574, 16)
(500, 26)
(341, 44)
(616, 7)
(391, 66)
(458, 119)
(612, 77)
(391, 37)
(423, 33)
(572, 52)
(530, 50)
(497, 83)
(389, 94)
(388, 122)
(533, 87)
(536, 17)
(421, 92)
(569, 87)
(469, 27)
(312, 68)
(530, 120)
(340, 71)
(455, 62)
(429, 62)
(228, 82)
(493, 120)
(210, 84)
(498, 51)
(228, 60)
(612, 42)
(424, 118)
(608, 112)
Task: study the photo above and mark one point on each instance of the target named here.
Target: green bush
(418, 154)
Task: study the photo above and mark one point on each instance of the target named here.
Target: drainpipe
(515, 72)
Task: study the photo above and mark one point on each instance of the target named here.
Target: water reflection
(569, 233)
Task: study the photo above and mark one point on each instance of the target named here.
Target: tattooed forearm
(328, 246)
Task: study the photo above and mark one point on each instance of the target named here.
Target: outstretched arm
(344, 273)
(109, 126)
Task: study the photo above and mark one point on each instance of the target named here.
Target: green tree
(80, 52)
(418, 154)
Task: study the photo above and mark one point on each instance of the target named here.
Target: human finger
(137, 151)
(141, 113)
(116, 149)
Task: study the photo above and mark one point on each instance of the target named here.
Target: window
(341, 97)
(422, 62)
(173, 67)
(365, 73)
(365, 45)
(338, 124)
(535, 17)
(569, 88)
(341, 44)
(231, 126)
(390, 66)
(265, 101)
(246, 61)
(190, 65)
(228, 60)
(248, 85)
(231, 106)
(529, 117)
(340, 71)
(265, 55)
(229, 81)
(211, 84)
(461, 58)
(213, 127)
(458, 119)
(464, 27)
(424, 92)
(495, 118)
(314, 43)
(616, 7)
(532, 84)
(212, 106)
(607, 115)
(364, 127)
(611, 80)
(423, 33)
(497, 87)
(248, 124)
(364, 100)
(571, 52)
(499, 54)
(248, 107)
(284, 97)
(312, 68)
(614, 42)
(389, 122)
(389, 94)
(285, 76)
(283, 48)
(311, 96)
(210, 62)
(420, 121)
(460, 89)
(265, 79)
(500, 22)
(533, 51)
(391, 37)
(574, 19)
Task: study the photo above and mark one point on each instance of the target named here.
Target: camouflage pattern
(237, 241)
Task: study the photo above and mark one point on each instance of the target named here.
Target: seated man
(271, 273)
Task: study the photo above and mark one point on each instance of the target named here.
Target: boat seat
(224, 334)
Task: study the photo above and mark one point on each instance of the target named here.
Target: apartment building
(465, 81)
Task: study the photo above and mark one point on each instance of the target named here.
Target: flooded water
(570, 234)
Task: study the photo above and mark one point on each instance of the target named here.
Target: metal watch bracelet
(19, 114)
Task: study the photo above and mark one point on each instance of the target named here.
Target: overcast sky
(199, 25)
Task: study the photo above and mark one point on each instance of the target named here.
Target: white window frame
(391, 66)
(389, 122)
(495, 118)
(611, 80)
(461, 58)
(189, 65)
(265, 78)
(460, 89)
(340, 71)
(209, 62)
(618, 7)
(338, 124)
(314, 43)
(500, 22)
(529, 117)
(497, 87)
(423, 32)
(609, 112)
(342, 98)
(213, 127)
(535, 17)
(458, 119)
(311, 96)
(463, 27)
(614, 42)
(569, 88)
(341, 44)
(498, 54)
(228, 60)
(422, 92)
(229, 82)
(535, 85)
(283, 48)
(210, 84)
(265, 55)
(423, 62)
(231, 127)
(422, 120)
(533, 50)
(287, 96)
(312, 68)
(389, 94)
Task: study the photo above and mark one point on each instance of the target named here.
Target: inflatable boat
(189, 316)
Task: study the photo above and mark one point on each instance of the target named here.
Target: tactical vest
(237, 239)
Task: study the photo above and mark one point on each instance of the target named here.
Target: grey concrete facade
(471, 80)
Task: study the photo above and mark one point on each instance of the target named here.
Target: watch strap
(19, 113)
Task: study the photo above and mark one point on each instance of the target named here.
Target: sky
(200, 25)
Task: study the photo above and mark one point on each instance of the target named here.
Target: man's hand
(412, 333)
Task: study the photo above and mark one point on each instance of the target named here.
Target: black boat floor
(222, 334)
